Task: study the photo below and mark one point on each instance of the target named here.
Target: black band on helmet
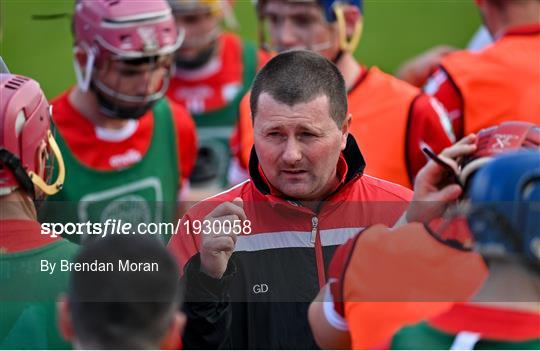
(14, 164)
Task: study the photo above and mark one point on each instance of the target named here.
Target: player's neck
(500, 288)
(86, 104)
(515, 15)
(17, 205)
(349, 68)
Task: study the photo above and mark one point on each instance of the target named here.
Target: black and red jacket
(282, 264)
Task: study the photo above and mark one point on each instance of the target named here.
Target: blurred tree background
(394, 30)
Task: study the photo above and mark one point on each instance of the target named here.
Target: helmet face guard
(56, 155)
(149, 77)
(142, 31)
(25, 116)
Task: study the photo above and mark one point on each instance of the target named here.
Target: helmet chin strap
(84, 76)
(346, 44)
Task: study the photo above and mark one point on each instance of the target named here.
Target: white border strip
(293, 239)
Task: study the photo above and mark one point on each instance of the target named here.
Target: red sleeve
(187, 139)
(336, 273)
(187, 240)
(429, 126)
(183, 245)
(441, 86)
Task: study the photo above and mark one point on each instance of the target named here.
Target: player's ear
(171, 339)
(41, 159)
(345, 129)
(352, 15)
(64, 318)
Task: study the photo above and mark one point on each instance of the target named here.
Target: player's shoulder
(181, 116)
(466, 59)
(61, 99)
(381, 88)
(63, 112)
(382, 190)
(379, 75)
(230, 37)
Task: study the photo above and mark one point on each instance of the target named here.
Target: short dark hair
(124, 309)
(299, 76)
(502, 4)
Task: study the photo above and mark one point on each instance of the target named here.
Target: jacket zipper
(316, 239)
(314, 226)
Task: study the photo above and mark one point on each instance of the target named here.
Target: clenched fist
(217, 247)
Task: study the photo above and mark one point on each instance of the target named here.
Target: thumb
(238, 202)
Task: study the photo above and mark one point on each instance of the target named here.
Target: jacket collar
(350, 164)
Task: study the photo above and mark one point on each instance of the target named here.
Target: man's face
(201, 29)
(137, 80)
(300, 25)
(298, 146)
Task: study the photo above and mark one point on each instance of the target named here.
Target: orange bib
(500, 83)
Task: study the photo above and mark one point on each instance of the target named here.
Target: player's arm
(417, 70)
(329, 328)
(441, 86)
(208, 274)
(428, 126)
(434, 190)
(327, 312)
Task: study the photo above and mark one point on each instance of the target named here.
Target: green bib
(145, 192)
(214, 128)
(28, 318)
(422, 336)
